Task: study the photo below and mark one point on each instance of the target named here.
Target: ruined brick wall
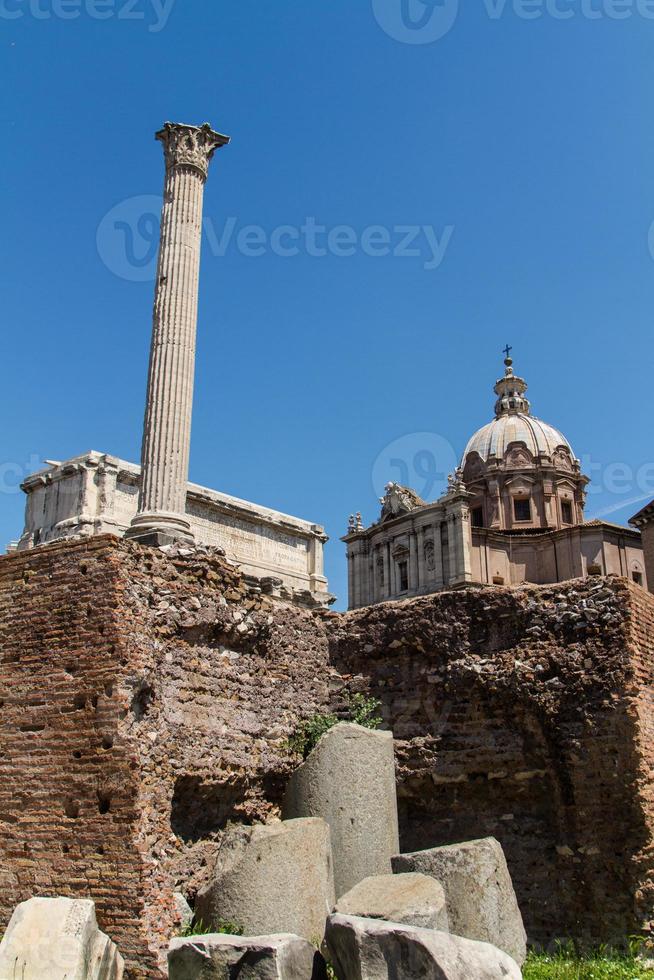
(68, 792)
(527, 715)
(147, 699)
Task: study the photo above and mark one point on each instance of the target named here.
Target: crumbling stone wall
(146, 699)
(527, 715)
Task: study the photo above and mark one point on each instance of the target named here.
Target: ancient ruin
(148, 699)
(97, 494)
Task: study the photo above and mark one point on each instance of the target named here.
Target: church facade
(513, 513)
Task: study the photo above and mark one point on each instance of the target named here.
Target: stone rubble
(57, 939)
(184, 910)
(272, 878)
(217, 957)
(369, 949)
(411, 899)
(481, 902)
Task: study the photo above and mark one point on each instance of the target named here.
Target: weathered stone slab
(57, 939)
(184, 910)
(412, 899)
(216, 957)
(273, 878)
(368, 949)
(481, 902)
(349, 781)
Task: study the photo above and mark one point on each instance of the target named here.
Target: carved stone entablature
(190, 146)
(518, 456)
(562, 460)
(399, 500)
(520, 484)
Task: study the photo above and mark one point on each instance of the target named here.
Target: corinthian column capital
(190, 146)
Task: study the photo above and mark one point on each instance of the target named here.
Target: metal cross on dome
(507, 350)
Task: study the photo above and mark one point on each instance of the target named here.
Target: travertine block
(412, 899)
(481, 902)
(215, 957)
(367, 949)
(57, 939)
(272, 878)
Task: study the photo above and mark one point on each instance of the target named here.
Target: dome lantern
(510, 391)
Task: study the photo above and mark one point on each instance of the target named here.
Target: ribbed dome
(495, 437)
(514, 422)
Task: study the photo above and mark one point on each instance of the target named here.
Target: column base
(157, 530)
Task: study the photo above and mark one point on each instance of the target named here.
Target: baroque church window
(403, 570)
(566, 511)
(522, 508)
(380, 572)
(477, 516)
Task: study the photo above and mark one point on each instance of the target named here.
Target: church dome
(514, 423)
(495, 438)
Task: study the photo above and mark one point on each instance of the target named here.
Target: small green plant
(309, 732)
(365, 711)
(360, 709)
(222, 926)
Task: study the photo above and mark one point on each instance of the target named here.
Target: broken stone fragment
(368, 949)
(184, 910)
(412, 899)
(215, 957)
(349, 781)
(57, 939)
(481, 902)
(272, 878)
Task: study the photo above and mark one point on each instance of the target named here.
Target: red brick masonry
(146, 700)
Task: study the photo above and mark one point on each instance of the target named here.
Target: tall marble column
(161, 516)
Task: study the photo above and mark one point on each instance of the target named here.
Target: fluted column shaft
(167, 427)
(167, 430)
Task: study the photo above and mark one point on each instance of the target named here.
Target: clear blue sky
(524, 146)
